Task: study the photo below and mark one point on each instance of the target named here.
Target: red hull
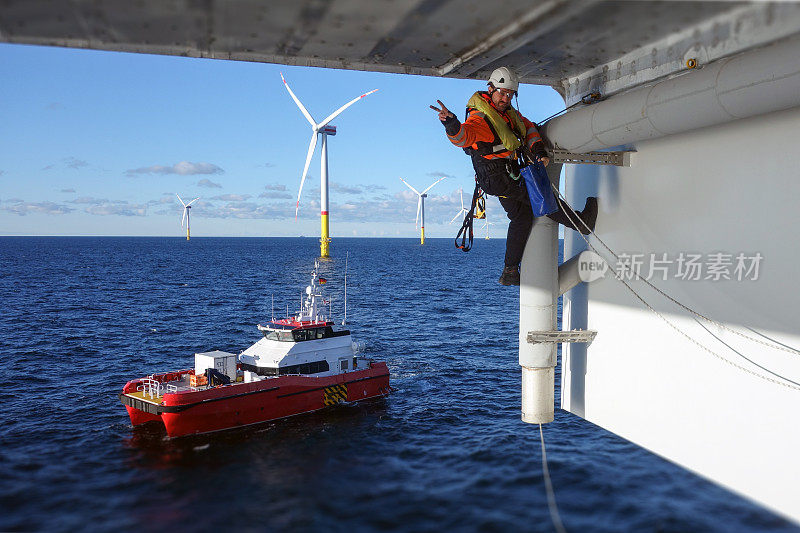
(242, 404)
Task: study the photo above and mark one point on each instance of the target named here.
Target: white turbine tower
(186, 208)
(486, 225)
(463, 211)
(323, 129)
(421, 207)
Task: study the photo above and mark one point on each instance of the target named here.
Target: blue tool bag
(543, 201)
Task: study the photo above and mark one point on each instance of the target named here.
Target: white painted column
(538, 300)
(324, 239)
(323, 175)
(422, 218)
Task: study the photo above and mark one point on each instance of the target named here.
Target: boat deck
(145, 397)
(152, 391)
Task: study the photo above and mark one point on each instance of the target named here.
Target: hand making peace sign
(444, 113)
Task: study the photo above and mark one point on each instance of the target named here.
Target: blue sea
(445, 452)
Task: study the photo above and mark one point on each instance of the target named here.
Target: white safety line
(789, 385)
(551, 495)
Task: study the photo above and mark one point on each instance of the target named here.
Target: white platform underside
(730, 188)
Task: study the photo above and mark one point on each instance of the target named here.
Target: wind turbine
(186, 208)
(486, 225)
(421, 207)
(320, 129)
(463, 210)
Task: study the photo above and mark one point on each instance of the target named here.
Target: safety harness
(466, 233)
(505, 139)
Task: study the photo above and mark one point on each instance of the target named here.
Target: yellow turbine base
(187, 234)
(324, 241)
(422, 236)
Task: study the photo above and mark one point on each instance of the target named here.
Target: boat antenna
(272, 312)
(346, 256)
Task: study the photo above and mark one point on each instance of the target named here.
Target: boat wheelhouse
(302, 363)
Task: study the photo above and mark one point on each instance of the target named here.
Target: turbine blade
(345, 106)
(311, 147)
(183, 218)
(455, 217)
(461, 190)
(434, 183)
(419, 206)
(179, 199)
(193, 201)
(409, 186)
(299, 104)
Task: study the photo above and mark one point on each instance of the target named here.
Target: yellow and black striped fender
(335, 394)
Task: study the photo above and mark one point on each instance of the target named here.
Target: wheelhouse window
(315, 367)
(313, 333)
(283, 335)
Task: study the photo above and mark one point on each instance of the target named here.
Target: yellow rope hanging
(480, 207)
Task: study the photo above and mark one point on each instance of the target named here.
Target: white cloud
(71, 162)
(205, 182)
(231, 197)
(252, 210)
(67, 190)
(119, 209)
(275, 187)
(48, 208)
(89, 200)
(166, 199)
(437, 174)
(276, 195)
(184, 168)
(344, 189)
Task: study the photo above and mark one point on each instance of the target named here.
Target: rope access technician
(493, 135)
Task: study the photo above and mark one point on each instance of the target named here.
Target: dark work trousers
(514, 198)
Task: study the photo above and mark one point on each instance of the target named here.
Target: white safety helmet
(504, 78)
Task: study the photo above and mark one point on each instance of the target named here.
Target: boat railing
(172, 388)
(150, 387)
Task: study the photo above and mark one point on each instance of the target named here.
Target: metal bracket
(558, 336)
(618, 159)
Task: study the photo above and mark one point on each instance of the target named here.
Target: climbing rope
(548, 485)
(765, 369)
(465, 233)
(777, 345)
(790, 385)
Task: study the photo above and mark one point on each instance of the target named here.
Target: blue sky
(98, 143)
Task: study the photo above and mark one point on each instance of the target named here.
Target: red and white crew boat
(302, 364)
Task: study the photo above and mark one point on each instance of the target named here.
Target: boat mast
(346, 257)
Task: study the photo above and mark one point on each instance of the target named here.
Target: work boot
(588, 216)
(510, 276)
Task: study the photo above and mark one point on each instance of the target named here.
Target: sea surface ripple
(445, 452)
